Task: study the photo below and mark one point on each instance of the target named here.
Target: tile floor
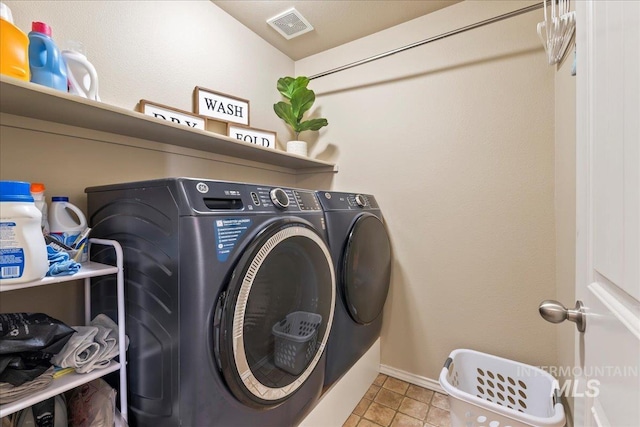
(391, 402)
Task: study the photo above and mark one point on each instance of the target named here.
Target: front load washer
(361, 251)
(230, 293)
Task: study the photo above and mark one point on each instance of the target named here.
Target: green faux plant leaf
(284, 111)
(288, 85)
(300, 100)
(312, 124)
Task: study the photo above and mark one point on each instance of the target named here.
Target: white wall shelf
(57, 386)
(89, 269)
(72, 380)
(40, 102)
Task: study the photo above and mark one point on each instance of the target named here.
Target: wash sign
(221, 107)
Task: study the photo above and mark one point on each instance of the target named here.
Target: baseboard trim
(412, 378)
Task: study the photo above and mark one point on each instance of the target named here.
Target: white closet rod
(431, 39)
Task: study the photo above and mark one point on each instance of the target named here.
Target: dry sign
(170, 114)
(221, 107)
(260, 137)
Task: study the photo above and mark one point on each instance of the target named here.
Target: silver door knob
(554, 312)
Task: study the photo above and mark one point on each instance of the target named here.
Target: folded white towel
(91, 347)
(108, 348)
(80, 350)
(107, 338)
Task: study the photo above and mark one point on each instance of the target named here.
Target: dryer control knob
(279, 198)
(361, 200)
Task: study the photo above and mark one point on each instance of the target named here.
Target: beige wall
(142, 50)
(161, 50)
(456, 140)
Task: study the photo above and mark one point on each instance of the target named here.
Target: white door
(608, 213)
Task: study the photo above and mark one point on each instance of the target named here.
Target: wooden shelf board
(43, 103)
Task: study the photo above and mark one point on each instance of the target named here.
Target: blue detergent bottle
(46, 63)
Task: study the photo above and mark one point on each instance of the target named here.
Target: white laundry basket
(489, 391)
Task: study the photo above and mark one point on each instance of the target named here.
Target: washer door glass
(277, 313)
(366, 269)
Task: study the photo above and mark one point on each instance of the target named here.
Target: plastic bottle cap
(5, 13)
(59, 199)
(41, 27)
(15, 191)
(37, 187)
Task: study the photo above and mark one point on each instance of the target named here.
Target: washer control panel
(332, 200)
(285, 199)
(214, 196)
(307, 200)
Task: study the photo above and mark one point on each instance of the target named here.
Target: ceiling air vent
(290, 24)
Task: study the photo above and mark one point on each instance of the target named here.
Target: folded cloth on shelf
(10, 393)
(60, 264)
(80, 350)
(16, 371)
(56, 255)
(107, 337)
(64, 268)
(93, 348)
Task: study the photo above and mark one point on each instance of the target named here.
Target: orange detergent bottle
(14, 47)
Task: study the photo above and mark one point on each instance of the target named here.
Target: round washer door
(277, 313)
(366, 268)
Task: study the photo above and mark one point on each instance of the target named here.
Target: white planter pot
(297, 147)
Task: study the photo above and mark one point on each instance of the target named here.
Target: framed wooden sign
(260, 137)
(171, 114)
(219, 106)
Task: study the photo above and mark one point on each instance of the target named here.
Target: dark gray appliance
(230, 293)
(361, 251)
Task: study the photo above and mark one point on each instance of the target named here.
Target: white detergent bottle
(23, 251)
(66, 220)
(37, 192)
(81, 74)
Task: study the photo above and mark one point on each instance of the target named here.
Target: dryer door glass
(366, 269)
(277, 313)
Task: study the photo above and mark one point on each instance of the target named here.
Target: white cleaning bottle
(37, 192)
(82, 75)
(23, 252)
(66, 221)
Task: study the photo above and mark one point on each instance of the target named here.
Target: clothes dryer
(230, 293)
(361, 252)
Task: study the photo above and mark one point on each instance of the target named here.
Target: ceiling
(335, 22)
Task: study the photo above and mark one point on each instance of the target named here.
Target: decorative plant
(300, 99)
